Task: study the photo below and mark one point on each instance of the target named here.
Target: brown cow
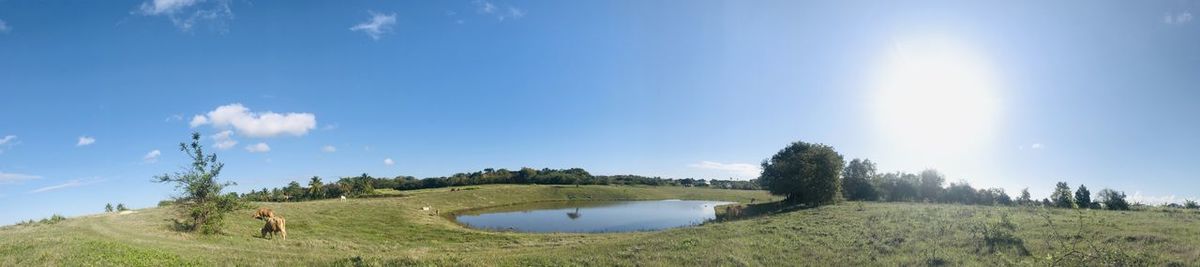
(264, 213)
(276, 226)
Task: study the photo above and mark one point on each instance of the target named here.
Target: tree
(200, 199)
(1083, 197)
(1062, 196)
(897, 186)
(362, 185)
(1113, 199)
(108, 207)
(293, 191)
(121, 207)
(961, 193)
(1025, 198)
(931, 185)
(805, 173)
(1001, 197)
(856, 180)
(316, 189)
(1190, 204)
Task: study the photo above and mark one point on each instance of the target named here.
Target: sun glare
(935, 96)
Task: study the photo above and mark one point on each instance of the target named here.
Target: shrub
(1190, 204)
(805, 173)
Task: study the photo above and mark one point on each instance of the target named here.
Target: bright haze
(96, 95)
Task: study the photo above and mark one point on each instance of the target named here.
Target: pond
(592, 216)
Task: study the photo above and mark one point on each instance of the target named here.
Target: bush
(805, 173)
(1190, 204)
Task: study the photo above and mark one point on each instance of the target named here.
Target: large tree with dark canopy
(805, 173)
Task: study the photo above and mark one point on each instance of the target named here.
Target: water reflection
(603, 216)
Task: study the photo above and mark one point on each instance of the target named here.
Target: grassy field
(395, 231)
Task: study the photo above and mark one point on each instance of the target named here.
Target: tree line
(814, 174)
(365, 184)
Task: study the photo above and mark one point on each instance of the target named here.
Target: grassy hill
(395, 231)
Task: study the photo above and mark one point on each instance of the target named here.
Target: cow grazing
(275, 226)
(264, 213)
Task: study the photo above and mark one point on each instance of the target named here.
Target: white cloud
(377, 26)
(740, 170)
(1178, 18)
(159, 7)
(261, 124)
(223, 140)
(7, 142)
(10, 178)
(328, 149)
(198, 120)
(85, 140)
(389, 162)
(68, 184)
(491, 9)
(4, 28)
(186, 14)
(152, 156)
(1036, 146)
(258, 148)
(175, 117)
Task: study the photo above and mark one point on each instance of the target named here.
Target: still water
(592, 216)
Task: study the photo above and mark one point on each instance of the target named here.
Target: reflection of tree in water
(574, 215)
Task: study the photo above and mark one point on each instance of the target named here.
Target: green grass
(395, 231)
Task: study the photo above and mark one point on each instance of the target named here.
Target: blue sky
(1024, 93)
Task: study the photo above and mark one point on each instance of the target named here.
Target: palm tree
(316, 189)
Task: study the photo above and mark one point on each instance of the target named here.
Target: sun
(935, 96)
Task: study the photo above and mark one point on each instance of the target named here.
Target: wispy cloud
(12, 178)
(186, 14)
(7, 139)
(152, 156)
(85, 140)
(174, 117)
(328, 149)
(68, 184)
(256, 124)
(389, 162)
(1031, 146)
(258, 148)
(1177, 18)
(4, 28)
(489, 8)
(740, 170)
(7, 142)
(377, 26)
